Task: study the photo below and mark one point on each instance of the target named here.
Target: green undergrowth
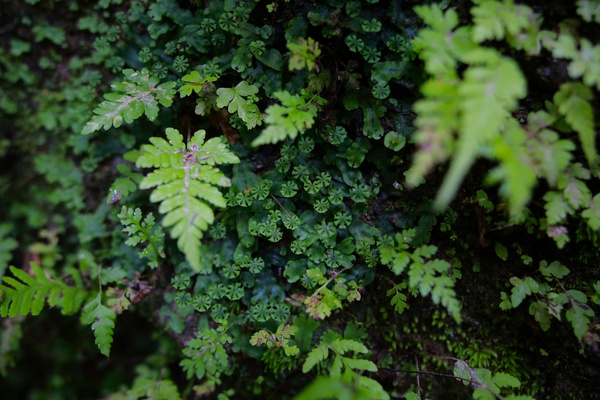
(354, 200)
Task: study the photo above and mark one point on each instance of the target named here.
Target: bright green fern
(28, 294)
(184, 181)
(102, 320)
(286, 120)
(139, 94)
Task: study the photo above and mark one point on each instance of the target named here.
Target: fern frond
(358, 364)
(341, 346)
(184, 181)
(139, 94)
(143, 231)
(206, 355)
(492, 91)
(430, 276)
(574, 102)
(147, 388)
(241, 99)
(25, 294)
(315, 356)
(286, 120)
(102, 320)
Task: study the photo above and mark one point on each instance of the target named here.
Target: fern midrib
(127, 103)
(186, 189)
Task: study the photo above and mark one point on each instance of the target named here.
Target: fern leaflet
(574, 102)
(184, 180)
(430, 276)
(26, 294)
(139, 94)
(143, 231)
(286, 120)
(206, 355)
(102, 320)
(241, 99)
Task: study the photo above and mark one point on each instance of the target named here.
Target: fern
(148, 388)
(286, 120)
(206, 354)
(486, 96)
(341, 362)
(339, 346)
(589, 10)
(281, 338)
(475, 107)
(584, 57)
(495, 20)
(430, 276)
(315, 356)
(241, 99)
(143, 232)
(102, 320)
(139, 94)
(551, 301)
(574, 102)
(26, 294)
(185, 179)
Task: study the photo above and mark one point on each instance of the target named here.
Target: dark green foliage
(296, 154)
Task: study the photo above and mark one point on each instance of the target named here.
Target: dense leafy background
(279, 199)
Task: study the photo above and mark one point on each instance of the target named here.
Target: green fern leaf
(592, 213)
(184, 181)
(143, 231)
(513, 155)
(315, 356)
(398, 300)
(487, 95)
(102, 320)
(146, 388)
(286, 120)
(342, 346)
(494, 20)
(241, 99)
(373, 389)
(357, 364)
(26, 294)
(139, 94)
(574, 102)
(206, 354)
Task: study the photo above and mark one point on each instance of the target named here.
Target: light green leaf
(286, 120)
(487, 94)
(241, 99)
(555, 269)
(140, 93)
(184, 182)
(315, 356)
(102, 320)
(574, 102)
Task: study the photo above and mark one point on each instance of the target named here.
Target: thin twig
(280, 205)
(433, 374)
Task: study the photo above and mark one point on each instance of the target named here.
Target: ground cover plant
(359, 199)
